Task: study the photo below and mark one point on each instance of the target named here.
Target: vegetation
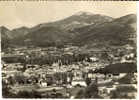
(27, 94)
(119, 68)
(6, 90)
(90, 91)
(88, 81)
(128, 79)
(122, 92)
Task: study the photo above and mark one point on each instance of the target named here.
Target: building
(80, 82)
(43, 83)
(115, 75)
(77, 74)
(94, 59)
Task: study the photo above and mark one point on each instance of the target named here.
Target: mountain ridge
(77, 29)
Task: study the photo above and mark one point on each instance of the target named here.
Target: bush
(88, 81)
(122, 92)
(80, 94)
(6, 91)
(91, 91)
(27, 94)
(127, 79)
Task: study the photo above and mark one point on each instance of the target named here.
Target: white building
(43, 83)
(78, 82)
(94, 59)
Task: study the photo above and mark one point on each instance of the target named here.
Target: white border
(87, 99)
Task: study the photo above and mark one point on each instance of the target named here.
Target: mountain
(61, 30)
(5, 33)
(77, 20)
(5, 37)
(13, 37)
(19, 35)
(20, 32)
(116, 32)
(48, 36)
(82, 28)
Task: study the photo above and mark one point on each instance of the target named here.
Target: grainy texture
(69, 49)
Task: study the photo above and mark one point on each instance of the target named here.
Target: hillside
(20, 32)
(77, 20)
(19, 35)
(82, 28)
(116, 32)
(48, 36)
(6, 37)
(62, 30)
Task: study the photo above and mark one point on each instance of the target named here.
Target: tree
(91, 91)
(20, 79)
(27, 94)
(127, 79)
(11, 80)
(80, 94)
(6, 90)
(121, 92)
(88, 81)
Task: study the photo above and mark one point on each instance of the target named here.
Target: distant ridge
(82, 28)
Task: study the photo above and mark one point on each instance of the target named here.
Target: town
(69, 72)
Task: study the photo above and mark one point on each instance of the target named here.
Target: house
(105, 90)
(69, 79)
(115, 75)
(110, 88)
(128, 58)
(102, 81)
(99, 75)
(90, 67)
(102, 91)
(94, 59)
(43, 83)
(132, 94)
(90, 75)
(11, 73)
(77, 74)
(122, 75)
(80, 82)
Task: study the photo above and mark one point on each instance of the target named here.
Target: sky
(17, 14)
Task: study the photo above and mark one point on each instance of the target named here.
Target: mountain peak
(21, 28)
(83, 13)
(3, 28)
(130, 18)
(131, 15)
